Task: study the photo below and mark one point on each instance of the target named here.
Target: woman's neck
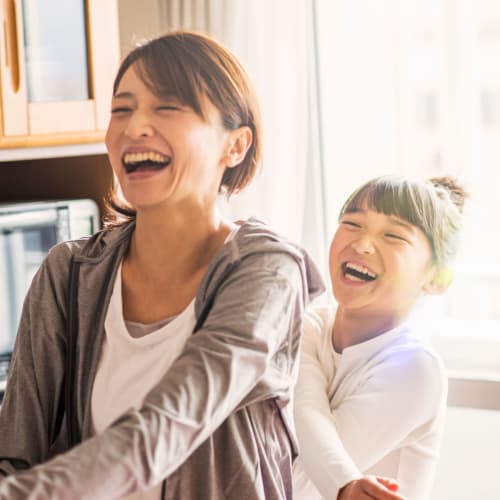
(177, 242)
(168, 256)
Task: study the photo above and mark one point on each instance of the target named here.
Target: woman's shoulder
(257, 246)
(257, 251)
(255, 235)
(87, 249)
(94, 246)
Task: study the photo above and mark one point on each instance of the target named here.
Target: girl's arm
(370, 487)
(393, 400)
(322, 453)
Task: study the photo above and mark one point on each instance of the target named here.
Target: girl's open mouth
(360, 273)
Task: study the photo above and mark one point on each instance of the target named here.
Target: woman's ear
(240, 141)
(440, 281)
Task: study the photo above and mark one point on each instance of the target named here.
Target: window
(490, 108)
(416, 89)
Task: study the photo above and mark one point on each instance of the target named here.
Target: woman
(177, 348)
(371, 394)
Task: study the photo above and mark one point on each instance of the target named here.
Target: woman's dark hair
(435, 206)
(189, 66)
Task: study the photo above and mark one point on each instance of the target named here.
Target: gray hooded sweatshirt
(218, 425)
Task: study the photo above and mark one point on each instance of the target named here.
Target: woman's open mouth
(145, 162)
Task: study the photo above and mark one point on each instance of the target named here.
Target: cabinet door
(12, 75)
(57, 63)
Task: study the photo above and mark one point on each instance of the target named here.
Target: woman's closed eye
(116, 110)
(168, 107)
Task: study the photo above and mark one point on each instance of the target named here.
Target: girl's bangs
(390, 197)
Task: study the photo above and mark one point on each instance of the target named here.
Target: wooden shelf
(87, 176)
(35, 153)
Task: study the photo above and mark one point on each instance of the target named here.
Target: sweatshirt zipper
(69, 379)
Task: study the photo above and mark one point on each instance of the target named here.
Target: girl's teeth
(353, 278)
(361, 269)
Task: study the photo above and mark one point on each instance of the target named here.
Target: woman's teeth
(141, 157)
(149, 160)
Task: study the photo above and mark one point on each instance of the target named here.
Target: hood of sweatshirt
(253, 237)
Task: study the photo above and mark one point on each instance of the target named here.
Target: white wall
(470, 456)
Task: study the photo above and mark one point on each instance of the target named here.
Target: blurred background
(350, 90)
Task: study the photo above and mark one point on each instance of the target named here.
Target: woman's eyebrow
(123, 95)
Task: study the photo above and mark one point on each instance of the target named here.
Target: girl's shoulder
(412, 358)
(318, 321)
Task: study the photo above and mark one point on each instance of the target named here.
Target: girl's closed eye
(397, 237)
(350, 224)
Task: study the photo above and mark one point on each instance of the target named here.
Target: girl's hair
(435, 206)
(187, 67)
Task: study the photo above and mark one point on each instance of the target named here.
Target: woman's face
(162, 152)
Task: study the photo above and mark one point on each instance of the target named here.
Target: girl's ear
(440, 281)
(240, 141)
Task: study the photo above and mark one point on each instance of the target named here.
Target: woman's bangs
(168, 78)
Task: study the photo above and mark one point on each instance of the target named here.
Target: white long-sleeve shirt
(377, 408)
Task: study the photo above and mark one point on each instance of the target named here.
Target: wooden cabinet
(58, 59)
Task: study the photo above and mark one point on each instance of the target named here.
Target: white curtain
(275, 41)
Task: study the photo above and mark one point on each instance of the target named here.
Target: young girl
(167, 344)
(371, 395)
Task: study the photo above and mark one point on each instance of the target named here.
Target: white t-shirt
(377, 408)
(133, 358)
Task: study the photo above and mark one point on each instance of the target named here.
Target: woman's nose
(363, 245)
(139, 126)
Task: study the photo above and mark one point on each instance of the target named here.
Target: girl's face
(379, 264)
(162, 152)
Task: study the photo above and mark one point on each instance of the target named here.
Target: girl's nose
(363, 245)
